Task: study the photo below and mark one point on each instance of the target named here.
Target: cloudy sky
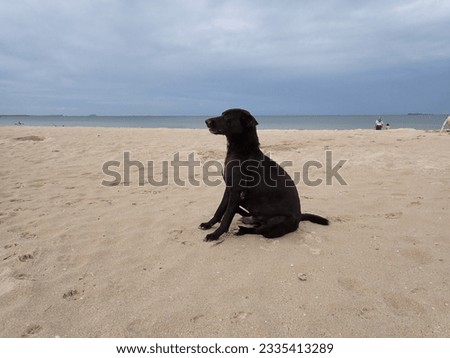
(201, 57)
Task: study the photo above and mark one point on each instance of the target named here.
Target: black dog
(256, 186)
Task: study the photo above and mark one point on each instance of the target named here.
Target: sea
(329, 122)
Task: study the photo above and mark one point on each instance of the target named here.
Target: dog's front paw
(211, 237)
(205, 226)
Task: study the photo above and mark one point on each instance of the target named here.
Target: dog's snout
(210, 123)
(214, 125)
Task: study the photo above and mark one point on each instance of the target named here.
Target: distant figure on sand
(446, 123)
(388, 126)
(379, 124)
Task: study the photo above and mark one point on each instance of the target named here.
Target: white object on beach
(446, 123)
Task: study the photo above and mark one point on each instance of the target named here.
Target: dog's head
(232, 122)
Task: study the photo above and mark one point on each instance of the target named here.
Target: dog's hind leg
(274, 227)
(249, 220)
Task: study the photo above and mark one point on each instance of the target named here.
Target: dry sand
(79, 259)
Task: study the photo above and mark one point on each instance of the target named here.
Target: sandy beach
(79, 258)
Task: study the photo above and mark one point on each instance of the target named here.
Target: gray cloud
(200, 56)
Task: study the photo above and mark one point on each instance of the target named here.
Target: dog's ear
(248, 120)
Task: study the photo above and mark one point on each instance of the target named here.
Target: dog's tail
(316, 219)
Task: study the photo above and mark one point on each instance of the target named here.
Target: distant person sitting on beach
(446, 123)
(379, 124)
(388, 126)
